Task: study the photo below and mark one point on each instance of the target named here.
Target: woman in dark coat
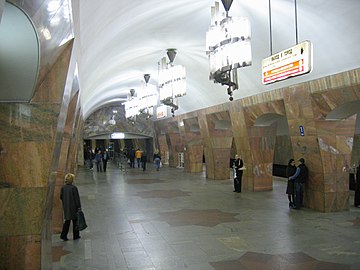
(290, 189)
(69, 195)
(357, 187)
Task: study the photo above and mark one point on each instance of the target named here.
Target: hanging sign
(291, 62)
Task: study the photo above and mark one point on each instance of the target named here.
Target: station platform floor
(170, 219)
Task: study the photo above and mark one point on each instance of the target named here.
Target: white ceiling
(118, 41)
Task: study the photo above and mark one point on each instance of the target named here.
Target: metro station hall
(200, 135)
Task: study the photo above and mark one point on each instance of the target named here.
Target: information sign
(291, 62)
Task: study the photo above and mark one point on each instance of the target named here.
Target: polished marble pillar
(217, 138)
(30, 151)
(194, 149)
(326, 145)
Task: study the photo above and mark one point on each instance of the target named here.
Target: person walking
(105, 159)
(138, 155)
(69, 195)
(143, 160)
(290, 188)
(132, 158)
(98, 161)
(157, 160)
(239, 167)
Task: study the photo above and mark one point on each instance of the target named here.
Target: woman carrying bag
(70, 198)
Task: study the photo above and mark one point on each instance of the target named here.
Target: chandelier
(132, 105)
(228, 46)
(147, 97)
(172, 81)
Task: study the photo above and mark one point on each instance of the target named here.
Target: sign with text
(291, 62)
(161, 111)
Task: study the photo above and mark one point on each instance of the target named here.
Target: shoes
(76, 238)
(64, 238)
(234, 191)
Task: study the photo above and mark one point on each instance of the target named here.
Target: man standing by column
(300, 177)
(239, 167)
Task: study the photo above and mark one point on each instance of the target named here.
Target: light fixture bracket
(146, 78)
(171, 53)
(227, 5)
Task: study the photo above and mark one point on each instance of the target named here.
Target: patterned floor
(175, 220)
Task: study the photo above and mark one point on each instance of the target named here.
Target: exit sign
(291, 62)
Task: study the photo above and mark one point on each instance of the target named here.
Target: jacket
(69, 195)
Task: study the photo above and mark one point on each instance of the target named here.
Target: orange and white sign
(291, 62)
(161, 111)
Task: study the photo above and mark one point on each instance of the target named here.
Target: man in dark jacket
(239, 167)
(300, 177)
(69, 195)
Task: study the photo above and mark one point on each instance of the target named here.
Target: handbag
(80, 222)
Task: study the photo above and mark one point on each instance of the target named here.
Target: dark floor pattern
(143, 181)
(208, 218)
(173, 220)
(58, 252)
(163, 194)
(290, 261)
(356, 222)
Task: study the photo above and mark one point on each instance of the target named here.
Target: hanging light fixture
(147, 97)
(132, 105)
(172, 81)
(228, 45)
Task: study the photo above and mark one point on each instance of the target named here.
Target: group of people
(138, 158)
(297, 177)
(99, 157)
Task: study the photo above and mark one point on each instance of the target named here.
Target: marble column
(29, 143)
(175, 146)
(193, 145)
(325, 145)
(242, 143)
(217, 138)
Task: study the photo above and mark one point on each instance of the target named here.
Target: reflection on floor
(175, 220)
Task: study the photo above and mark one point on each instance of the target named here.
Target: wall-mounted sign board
(291, 62)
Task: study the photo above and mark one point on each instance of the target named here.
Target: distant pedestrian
(143, 160)
(99, 161)
(239, 167)
(290, 188)
(357, 187)
(105, 159)
(138, 155)
(157, 160)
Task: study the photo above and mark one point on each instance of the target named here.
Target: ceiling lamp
(112, 120)
(228, 45)
(172, 81)
(147, 97)
(131, 106)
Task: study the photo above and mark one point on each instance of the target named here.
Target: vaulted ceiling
(117, 41)
(121, 40)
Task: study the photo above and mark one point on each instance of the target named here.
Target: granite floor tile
(175, 220)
